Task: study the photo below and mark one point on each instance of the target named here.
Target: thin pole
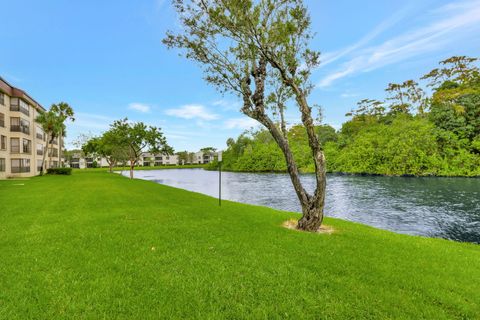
(220, 183)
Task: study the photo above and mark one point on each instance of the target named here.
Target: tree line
(409, 132)
(125, 141)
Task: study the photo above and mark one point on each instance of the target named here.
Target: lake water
(433, 207)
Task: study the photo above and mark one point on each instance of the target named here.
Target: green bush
(62, 171)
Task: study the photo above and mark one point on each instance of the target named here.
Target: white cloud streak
(449, 22)
(192, 111)
(240, 123)
(140, 107)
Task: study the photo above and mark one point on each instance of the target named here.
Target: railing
(27, 150)
(23, 110)
(39, 136)
(20, 169)
(23, 129)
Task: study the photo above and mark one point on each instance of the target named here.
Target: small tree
(259, 51)
(52, 126)
(64, 112)
(108, 146)
(136, 138)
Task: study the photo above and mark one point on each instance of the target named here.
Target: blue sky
(106, 59)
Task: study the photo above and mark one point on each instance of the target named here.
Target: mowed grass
(100, 246)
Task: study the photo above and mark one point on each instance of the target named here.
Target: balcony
(27, 150)
(39, 152)
(54, 142)
(39, 136)
(16, 128)
(20, 169)
(2, 123)
(21, 109)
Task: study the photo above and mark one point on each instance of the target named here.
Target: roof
(12, 91)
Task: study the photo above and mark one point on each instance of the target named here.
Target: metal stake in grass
(220, 178)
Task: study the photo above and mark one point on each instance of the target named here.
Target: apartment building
(148, 159)
(204, 157)
(22, 141)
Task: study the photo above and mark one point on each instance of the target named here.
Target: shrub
(62, 171)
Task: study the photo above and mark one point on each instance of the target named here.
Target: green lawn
(100, 246)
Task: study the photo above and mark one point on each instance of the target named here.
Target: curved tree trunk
(254, 107)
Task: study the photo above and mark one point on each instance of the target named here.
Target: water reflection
(434, 207)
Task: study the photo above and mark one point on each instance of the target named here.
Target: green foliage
(413, 135)
(60, 171)
(258, 152)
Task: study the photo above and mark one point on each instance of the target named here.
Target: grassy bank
(98, 245)
(106, 169)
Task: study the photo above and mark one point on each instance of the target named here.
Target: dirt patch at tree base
(292, 224)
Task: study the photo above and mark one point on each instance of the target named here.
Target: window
(27, 146)
(53, 152)
(2, 120)
(14, 145)
(2, 164)
(19, 105)
(3, 143)
(20, 165)
(19, 125)
(24, 108)
(2, 98)
(40, 133)
(39, 165)
(39, 149)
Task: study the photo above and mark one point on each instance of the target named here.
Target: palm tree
(63, 112)
(52, 126)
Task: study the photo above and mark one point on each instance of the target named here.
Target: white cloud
(227, 105)
(346, 95)
(140, 107)
(192, 111)
(449, 23)
(240, 123)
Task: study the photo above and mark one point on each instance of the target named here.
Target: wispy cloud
(448, 23)
(140, 107)
(240, 123)
(398, 16)
(347, 94)
(90, 121)
(192, 111)
(227, 105)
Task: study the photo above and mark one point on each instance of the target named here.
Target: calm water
(434, 207)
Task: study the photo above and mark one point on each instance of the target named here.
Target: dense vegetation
(409, 133)
(108, 247)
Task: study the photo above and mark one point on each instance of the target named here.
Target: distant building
(204, 157)
(146, 160)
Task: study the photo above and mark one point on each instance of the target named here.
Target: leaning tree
(258, 50)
